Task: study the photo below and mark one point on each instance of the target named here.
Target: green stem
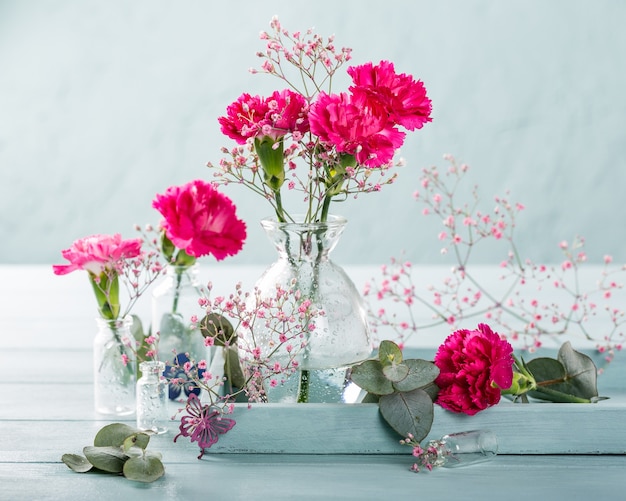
(325, 208)
(179, 277)
(280, 213)
(303, 387)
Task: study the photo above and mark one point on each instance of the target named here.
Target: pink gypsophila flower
(201, 220)
(474, 365)
(97, 253)
(401, 96)
(352, 125)
(251, 116)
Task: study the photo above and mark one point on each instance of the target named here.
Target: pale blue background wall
(105, 103)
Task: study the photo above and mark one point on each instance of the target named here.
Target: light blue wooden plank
(243, 477)
(538, 428)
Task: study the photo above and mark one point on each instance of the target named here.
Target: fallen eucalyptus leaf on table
(120, 449)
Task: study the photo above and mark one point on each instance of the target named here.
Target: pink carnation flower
(402, 97)
(474, 366)
(253, 116)
(201, 220)
(352, 125)
(98, 253)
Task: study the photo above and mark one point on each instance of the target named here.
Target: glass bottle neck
(115, 325)
(304, 242)
(183, 275)
(152, 368)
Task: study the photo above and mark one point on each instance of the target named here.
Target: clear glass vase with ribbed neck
(341, 336)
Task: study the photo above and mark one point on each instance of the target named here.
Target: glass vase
(174, 302)
(464, 448)
(341, 334)
(114, 367)
(152, 397)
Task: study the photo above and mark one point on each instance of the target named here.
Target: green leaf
(408, 412)
(114, 434)
(109, 459)
(369, 376)
(232, 369)
(77, 463)
(370, 398)
(546, 369)
(219, 328)
(146, 468)
(421, 373)
(137, 440)
(582, 372)
(571, 378)
(395, 372)
(389, 353)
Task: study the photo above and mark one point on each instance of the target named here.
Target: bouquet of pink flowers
(347, 140)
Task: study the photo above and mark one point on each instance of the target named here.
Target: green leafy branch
(404, 389)
(120, 449)
(570, 378)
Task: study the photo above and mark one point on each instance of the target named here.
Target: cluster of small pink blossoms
(428, 458)
(530, 300)
(285, 320)
(347, 140)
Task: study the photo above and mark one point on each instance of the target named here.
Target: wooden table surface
(46, 409)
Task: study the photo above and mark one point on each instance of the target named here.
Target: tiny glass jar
(152, 398)
(114, 367)
(465, 448)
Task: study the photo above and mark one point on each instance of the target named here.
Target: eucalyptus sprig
(570, 378)
(404, 389)
(120, 449)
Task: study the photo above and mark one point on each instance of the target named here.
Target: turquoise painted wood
(316, 451)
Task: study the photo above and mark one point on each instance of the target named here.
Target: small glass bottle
(174, 301)
(114, 367)
(464, 448)
(152, 397)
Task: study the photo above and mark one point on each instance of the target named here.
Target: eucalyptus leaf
(147, 468)
(421, 373)
(369, 376)
(546, 369)
(109, 459)
(395, 372)
(232, 368)
(77, 463)
(114, 435)
(571, 378)
(389, 353)
(219, 328)
(582, 372)
(370, 398)
(408, 412)
(547, 393)
(139, 440)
